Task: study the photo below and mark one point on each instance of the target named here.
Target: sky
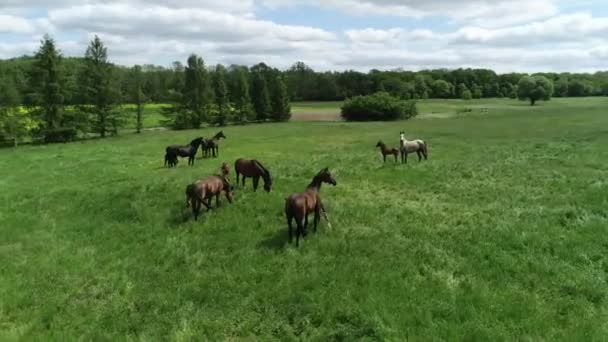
(504, 35)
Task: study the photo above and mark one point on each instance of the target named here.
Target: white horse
(411, 146)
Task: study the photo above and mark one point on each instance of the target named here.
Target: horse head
(379, 144)
(324, 176)
(220, 135)
(197, 142)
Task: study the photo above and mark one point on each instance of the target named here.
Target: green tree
(45, 97)
(221, 96)
(420, 87)
(442, 89)
(534, 88)
(261, 97)
(561, 87)
(244, 110)
(460, 90)
(15, 123)
(100, 93)
(477, 92)
(281, 110)
(137, 96)
(467, 95)
(195, 94)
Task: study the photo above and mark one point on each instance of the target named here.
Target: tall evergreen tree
(281, 110)
(244, 110)
(261, 97)
(45, 96)
(100, 93)
(137, 96)
(221, 96)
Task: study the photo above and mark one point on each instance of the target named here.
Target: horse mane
(266, 173)
(196, 141)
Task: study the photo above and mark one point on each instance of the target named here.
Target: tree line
(53, 98)
(56, 98)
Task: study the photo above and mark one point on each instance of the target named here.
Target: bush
(378, 107)
(63, 134)
(467, 95)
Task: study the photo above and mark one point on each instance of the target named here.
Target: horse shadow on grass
(179, 217)
(276, 241)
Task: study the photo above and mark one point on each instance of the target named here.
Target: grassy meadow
(500, 235)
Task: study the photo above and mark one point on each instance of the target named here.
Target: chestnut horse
(203, 191)
(410, 146)
(299, 206)
(386, 151)
(253, 169)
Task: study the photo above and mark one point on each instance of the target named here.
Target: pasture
(500, 235)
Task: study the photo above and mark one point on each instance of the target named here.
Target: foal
(386, 151)
(253, 169)
(299, 206)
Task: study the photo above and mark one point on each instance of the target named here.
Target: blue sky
(505, 35)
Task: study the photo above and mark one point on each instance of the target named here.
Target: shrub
(467, 95)
(378, 107)
(63, 134)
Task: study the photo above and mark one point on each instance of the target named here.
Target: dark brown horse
(253, 169)
(203, 191)
(174, 151)
(211, 145)
(387, 151)
(299, 206)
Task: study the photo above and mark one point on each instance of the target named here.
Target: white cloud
(515, 35)
(13, 24)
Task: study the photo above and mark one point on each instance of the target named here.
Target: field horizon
(498, 236)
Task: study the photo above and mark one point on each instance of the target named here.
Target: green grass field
(500, 235)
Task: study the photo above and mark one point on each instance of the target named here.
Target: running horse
(174, 151)
(299, 206)
(410, 146)
(253, 169)
(211, 145)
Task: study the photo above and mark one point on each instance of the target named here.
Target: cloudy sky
(505, 35)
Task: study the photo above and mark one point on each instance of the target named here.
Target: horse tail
(425, 150)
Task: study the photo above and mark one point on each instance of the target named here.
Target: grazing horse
(203, 191)
(225, 170)
(411, 146)
(174, 151)
(299, 206)
(255, 170)
(212, 145)
(386, 151)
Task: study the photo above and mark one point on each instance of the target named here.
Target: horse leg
(419, 156)
(384, 156)
(256, 181)
(217, 199)
(237, 176)
(299, 231)
(305, 230)
(317, 217)
(244, 180)
(290, 227)
(396, 157)
(406, 157)
(402, 158)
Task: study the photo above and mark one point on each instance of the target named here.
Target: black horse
(174, 151)
(211, 145)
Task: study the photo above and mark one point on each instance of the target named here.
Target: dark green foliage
(281, 110)
(61, 134)
(222, 100)
(467, 95)
(261, 97)
(138, 98)
(100, 93)
(380, 106)
(534, 88)
(243, 109)
(442, 89)
(45, 97)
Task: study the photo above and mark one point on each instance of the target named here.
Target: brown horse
(387, 151)
(225, 170)
(203, 191)
(299, 206)
(253, 169)
(410, 146)
(211, 145)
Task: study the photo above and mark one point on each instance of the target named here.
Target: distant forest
(305, 84)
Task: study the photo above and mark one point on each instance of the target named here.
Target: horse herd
(298, 206)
